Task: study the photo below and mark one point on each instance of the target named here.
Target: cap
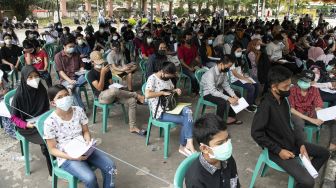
(97, 57)
(306, 75)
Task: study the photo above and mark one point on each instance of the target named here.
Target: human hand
(304, 152)
(30, 125)
(165, 93)
(233, 101)
(105, 69)
(12, 66)
(72, 82)
(178, 91)
(285, 154)
(81, 158)
(317, 122)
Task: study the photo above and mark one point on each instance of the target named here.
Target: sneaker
(250, 109)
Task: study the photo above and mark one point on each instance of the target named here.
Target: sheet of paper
(33, 120)
(328, 90)
(86, 60)
(214, 58)
(323, 85)
(244, 82)
(307, 164)
(327, 114)
(4, 112)
(175, 46)
(10, 72)
(78, 147)
(178, 109)
(116, 85)
(78, 73)
(242, 104)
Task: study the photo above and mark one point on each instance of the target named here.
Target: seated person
(100, 78)
(7, 124)
(82, 47)
(272, 129)
(188, 56)
(215, 167)
(59, 131)
(67, 64)
(239, 77)
(155, 60)
(147, 47)
(10, 54)
(117, 60)
(216, 88)
(36, 56)
(305, 100)
(158, 84)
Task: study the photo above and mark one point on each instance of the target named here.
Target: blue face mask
(222, 152)
(303, 85)
(329, 68)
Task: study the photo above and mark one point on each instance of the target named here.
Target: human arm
(208, 83)
(99, 84)
(150, 89)
(307, 118)
(19, 122)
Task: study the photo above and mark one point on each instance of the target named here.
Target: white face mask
(257, 47)
(222, 152)
(64, 103)
(34, 82)
(98, 66)
(171, 38)
(149, 40)
(101, 30)
(238, 54)
(8, 41)
(80, 42)
(330, 41)
(210, 42)
(115, 37)
(65, 32)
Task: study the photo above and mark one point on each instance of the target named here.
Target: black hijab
(28, 100)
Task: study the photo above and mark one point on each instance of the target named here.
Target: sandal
(186, 152)
(142, 133)
(235, 122)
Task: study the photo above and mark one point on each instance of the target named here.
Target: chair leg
(166, 141)
(160, 132)
(94, 113)
(264, 170)
(309, 133)
(256, 170)
(291, 182)
(203, 109)
(317, 136)
(73, 183)
(197, 109)
(21, 147)
(149, 126)
(125, 113)
(86, 98)
(105, 115)
(26, 156)
(54, 180)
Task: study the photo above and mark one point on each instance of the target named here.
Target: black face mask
(161, 52)
(165, 78)
(284, 94)
(188, 41)
(225, 70)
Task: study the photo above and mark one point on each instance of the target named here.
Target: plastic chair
(56, 171)
(105, 107)
(264, 160)
(182, 169)
(142, 65)
(24, 144)
(166, 126)
(185, 79)
(51, 50)
(201, 101)
(22, 60)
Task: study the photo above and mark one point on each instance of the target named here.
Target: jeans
(76, 90)
(46, 76)
(294, 167)
(191, 75)
(252, 91)
(185, 119)
(82, 170)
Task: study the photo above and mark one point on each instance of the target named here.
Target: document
(33, 120)
(244, 82)
(178, 109)
(4, 112)
(78, 73)
(242, 104)
(328, 90)
(78, 147)
(307, 164)
(116, 85)
(327, 114)
(86, 60)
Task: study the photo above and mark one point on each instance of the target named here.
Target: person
(117, 60)
(8, 126)
(10, 54)
(240, 77)
(254, 54)
(160, 84)
(25, 107)
(15, 38)
(215, 166)
(272, 129)
(188, 56)
(216, 88)
(65, 124)
(82, 47)
(67, 64)
(147, 47)
(101, 35)
(51, 35)
(155, 60)
(100, 78)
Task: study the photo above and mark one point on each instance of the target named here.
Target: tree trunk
(199, 8)
(129, 4)
(189, 6)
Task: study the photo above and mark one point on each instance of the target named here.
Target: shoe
(255, 106)
(251, 109)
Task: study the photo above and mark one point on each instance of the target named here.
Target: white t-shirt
(64, 131)
(239, 71)
(155, 84)
(275, 50)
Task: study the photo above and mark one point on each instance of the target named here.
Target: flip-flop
(142, 133)
(235, 122)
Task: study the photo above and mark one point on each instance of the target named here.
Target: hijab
(28, 100)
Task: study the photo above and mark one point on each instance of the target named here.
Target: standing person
(272, 129)
(63, 125)
(25, 106)
(10, 54)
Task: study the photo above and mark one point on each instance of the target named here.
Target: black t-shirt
(94, 75)
(199, 177)
(11, 54)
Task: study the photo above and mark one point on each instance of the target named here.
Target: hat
(307, 76)
(97, 57)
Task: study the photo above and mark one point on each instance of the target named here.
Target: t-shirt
(188, 55)
(155, 84)
(239, 71)
(64, 131)
(274, 50)
(11, 54)
(94, 75)
(69, 65)
(38, 59)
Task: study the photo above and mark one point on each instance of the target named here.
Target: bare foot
(230, 120)
(332, 147)
(134, 129)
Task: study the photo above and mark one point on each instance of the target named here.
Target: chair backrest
(57, 75)
(182, 169)
(22, 60)
(7, 98)
(198, 74)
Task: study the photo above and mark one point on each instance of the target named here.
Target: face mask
(162, 52)
(149, 40)
(80, 42)
(115, 37)
(140, 35)
(257, 47)
(284, 94)
(98, 66)
(9, 32)
(171, 38)
(238, 54)
(34, 82)
(233, 30)
(222, 152)
(303, 85)
(294, 37)
(64, 103)
(8, 41)
(101, 30)
(200, 37)
(31, 36)
(329, 68)
(65, 32)
(210, 42)
(70, 50)
(330, 41)
(269, 33)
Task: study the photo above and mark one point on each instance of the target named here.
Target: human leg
(320, 154)
(221, 106)
(250, 91)
(45, 152)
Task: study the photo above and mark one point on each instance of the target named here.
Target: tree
(22, 8)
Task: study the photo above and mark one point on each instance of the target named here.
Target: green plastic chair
(51, 50)
(143, 68)
(56, 171)
(166, 126)
(201, 101)
(182, 169)
(105, 107)
(264, 160)
(22, 60)
(183, 78)
(24, 144)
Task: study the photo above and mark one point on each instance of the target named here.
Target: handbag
(168, 102)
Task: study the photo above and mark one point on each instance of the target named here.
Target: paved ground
(134, 155)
